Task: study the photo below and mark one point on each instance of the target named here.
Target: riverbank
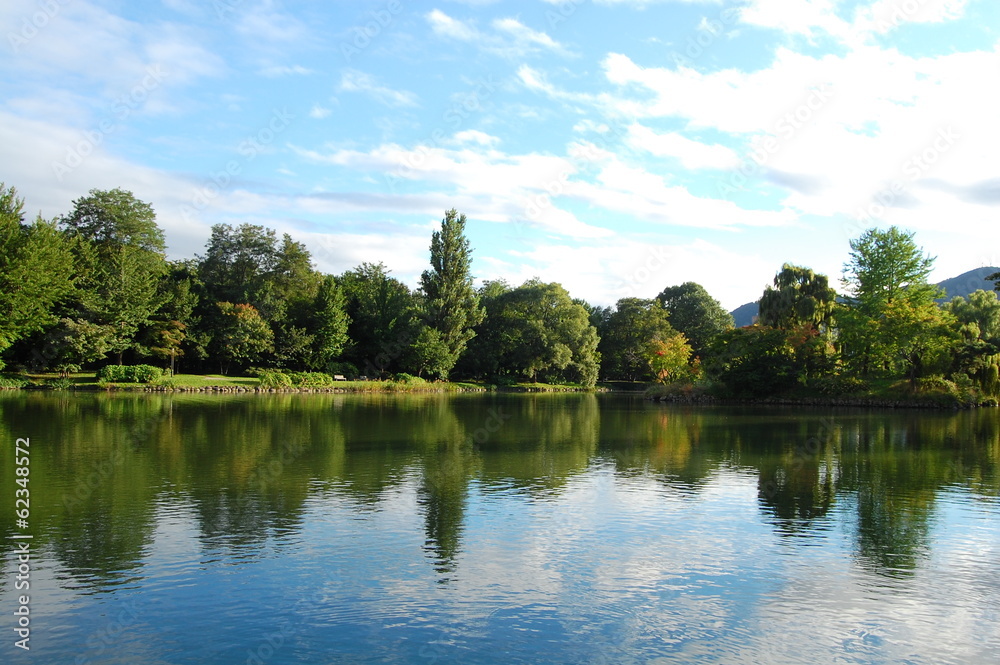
(895, 395)
(208, 383)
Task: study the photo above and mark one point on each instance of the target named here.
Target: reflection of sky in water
(662, 545)
(612, 569)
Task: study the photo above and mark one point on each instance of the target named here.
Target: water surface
(500, 529)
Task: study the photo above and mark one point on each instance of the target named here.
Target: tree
(888, 294)
(755, 361)
(120, 254)
(329, 323)
(537, 332)
(237, 262)
(451, 305)
(244, 335)
(627, 334)
(36, 271)
(382, 314)
(166, 341)
(979, 316)
(799, 297)
(885, 266)
(695, 313)
(670, 358)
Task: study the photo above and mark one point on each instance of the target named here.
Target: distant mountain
(962, 285)
(967, 282)
(744, 315)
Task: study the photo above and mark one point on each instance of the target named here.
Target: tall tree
(244, 335)
(121, 258)
(451, 304)
(695, 313)
(799, 297)
(885, 266)
(888, 301)
(36, 271)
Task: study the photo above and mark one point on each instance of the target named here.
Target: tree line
(94, 287)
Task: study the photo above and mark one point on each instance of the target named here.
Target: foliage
(12, 381)
(36, 271)
(978, 317)
(244, 336)
(755, 361)
(382, 315)
(839, 385)
(692, 311)
(799, 297)
(451, 306)
(129, 374)
(626, 335)
(537, 332)
(120, 258)
(669, 359)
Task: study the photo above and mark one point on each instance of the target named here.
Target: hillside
(962, 285)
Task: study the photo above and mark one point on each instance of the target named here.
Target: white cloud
(275, 71)
(355, 81)
(692, 154)
(318, 112)
(886, 15)
(802, 17)
(510, 39)
(475, 136)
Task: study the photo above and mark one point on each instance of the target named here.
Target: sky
(614, 146)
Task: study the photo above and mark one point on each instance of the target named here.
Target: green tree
(237, 262)
(382, 313)
(539, 333)
(695, 313)
(885, 266)
(121, 257)
(888, 292)
(244, 335)
(670, 358)
(627, 334)
(979, 316)
(36, 271)
(329, 323)
(755, 361)
(799, 297)
(451, 305)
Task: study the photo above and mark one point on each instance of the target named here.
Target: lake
(498, 528)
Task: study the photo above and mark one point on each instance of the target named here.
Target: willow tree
(799, 297)
(451, 304)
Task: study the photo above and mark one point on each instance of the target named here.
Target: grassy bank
(883, 393)
(219, 383)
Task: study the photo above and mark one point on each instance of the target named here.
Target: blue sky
(615, 146)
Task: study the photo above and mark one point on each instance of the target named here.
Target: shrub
(837, 386)
(12, 381)
(347, 370)
(129, 374)
(273, 378)
(311, 379)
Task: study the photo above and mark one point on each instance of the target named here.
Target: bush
(129, 374)
(838, 386)
(409, 379)
(311, 379)
(12, 381)
(273, 378)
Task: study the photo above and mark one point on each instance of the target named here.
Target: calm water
(499, 529)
